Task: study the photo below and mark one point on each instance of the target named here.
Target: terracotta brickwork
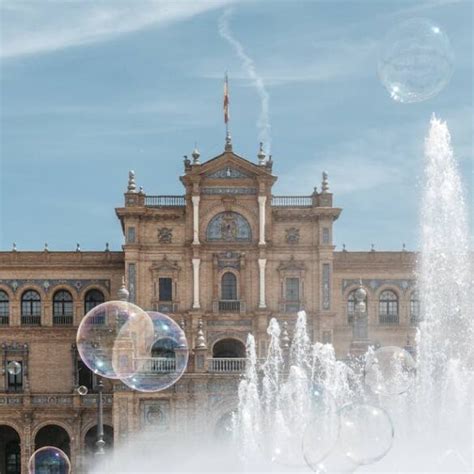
(280, 252)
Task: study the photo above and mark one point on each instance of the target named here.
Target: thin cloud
(41, 27)
(257, 80)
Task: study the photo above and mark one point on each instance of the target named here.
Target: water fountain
(303, 409)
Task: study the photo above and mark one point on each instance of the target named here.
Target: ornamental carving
(230, 227)
(292, 235)
(165, 235)
(227, 173)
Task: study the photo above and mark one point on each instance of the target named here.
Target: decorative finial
(285, 338)
(372, 247)
(141, 191)
(344, 248)
(200, 342)
(325, 183)
(78, 247)
(261, 155)
(107, 247)
(315, 191)
(14, 247)
(195, 154)
(228, 141)
(123, 293)
(404, 249)
(132, 187)
(46, 247)
(187, 162)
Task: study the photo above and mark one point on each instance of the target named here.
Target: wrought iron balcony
(167, 307)
(290, 306)
(226, 365)
(389, 319)
(165, 201)
(292, 201)
(63, 320)
(229, 306)
(4, 320)
(30, 320)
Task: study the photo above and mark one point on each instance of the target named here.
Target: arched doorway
(53, 435)
(229, 347)
(10, 450)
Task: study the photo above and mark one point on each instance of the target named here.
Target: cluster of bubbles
(147, 351)
(416, 60)
(49, 459)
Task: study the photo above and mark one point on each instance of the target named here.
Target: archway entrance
(53, 435)
(10, 450)
(228, 348)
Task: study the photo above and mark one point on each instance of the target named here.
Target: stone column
(261, 266)
(261, 214)
(196, 200)
(196, 264)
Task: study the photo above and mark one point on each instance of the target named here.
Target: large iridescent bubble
(390, 371)
(366, 433)
(416, 60)
(114, 338)
(49, 460)
(166, 357)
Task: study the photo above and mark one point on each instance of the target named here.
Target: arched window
(388, 307)
(229, 226)
(4, 308)
(229, 287)
(351, 305)
(414, 308)
(92, 299)
(31, 308)
(62, 308)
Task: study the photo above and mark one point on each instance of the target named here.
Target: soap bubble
(366, 433)
(49, 460)
(82, 390)
(166, 357)
(322, 432)
(14, 367)
(113, 338)
(416, 61)
(389, 371)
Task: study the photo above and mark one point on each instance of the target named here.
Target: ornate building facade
(222, 260)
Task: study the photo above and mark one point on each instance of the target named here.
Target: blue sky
(90, 90)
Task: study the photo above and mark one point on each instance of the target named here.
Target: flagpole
(228, 139)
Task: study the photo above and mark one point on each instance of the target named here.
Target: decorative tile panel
(229, 226)
(46, 284)
(227, 173)
(132, 282)
(374, 284)
(326, 286)
(232, 191)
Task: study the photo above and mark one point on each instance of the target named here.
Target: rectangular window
(85, 376)
(165, 289)
(131, 235)
(15, 380)
(326, 236)
(292, 289)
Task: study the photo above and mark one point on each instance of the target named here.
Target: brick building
(224, 257)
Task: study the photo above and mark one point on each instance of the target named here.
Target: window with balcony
(31, 308)
(229, 299)
(62, 308)
(388, 307)
(92, 299)
(4, 308)
(14, 375)
(228, 355)
(414, 308)
(292, 294)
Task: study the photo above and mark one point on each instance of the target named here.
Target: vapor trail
(263, 122)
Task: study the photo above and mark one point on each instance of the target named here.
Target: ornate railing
(165, 201)
(63, 320)
(292, 201)
(229, 306)
(4, 320)
(227, 365)
(389, 319)
(31, 320)
(156, 365)
(290, 306)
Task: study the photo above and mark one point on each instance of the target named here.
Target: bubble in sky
(390, 371)
(165, 360)
(114, 337)
(416, 60)
(49, 460)
(366, 433)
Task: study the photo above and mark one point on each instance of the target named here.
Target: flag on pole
(226, 100)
